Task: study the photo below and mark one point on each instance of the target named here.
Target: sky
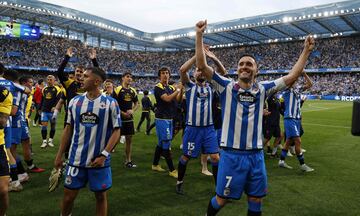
(163, 15)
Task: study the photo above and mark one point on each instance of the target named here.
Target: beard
(200, 80)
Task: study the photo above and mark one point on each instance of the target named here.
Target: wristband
(178, 90)
(105, 153)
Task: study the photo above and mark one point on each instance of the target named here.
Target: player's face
(89, 80)
(127, 79)
(50, 81)
(109, 87)
(72, 76)
(29, 83)
(247, 69)
(199, 77)
(164, 76)
(79, 75)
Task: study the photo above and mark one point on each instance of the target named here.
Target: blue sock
(301, 159)
(254, 207)
(283, 154)
(215, 204)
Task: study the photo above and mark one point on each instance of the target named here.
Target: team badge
(68, 180)
(102, 105)
(227, 191)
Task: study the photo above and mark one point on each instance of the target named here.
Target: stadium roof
(336, 19)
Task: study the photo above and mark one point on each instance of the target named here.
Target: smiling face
(247, 69)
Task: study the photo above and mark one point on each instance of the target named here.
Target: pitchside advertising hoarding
(17, 30)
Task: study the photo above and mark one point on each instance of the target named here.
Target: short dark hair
(110, 81)
(164, 68)
(11, 75)
(40, 81)
(98, 71)
(80, 67)
(24, 79)
(247, 55)
(126, 73)
(146, 92)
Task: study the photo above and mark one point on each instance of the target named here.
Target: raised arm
(92, 56)
(308, 82)
(199, 51)
(300, 64)
(184, 76)
(60, 72)
(220, 67)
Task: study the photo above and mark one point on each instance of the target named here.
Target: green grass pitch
(333, 189)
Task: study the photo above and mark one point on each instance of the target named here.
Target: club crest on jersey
(246, 97)
(68, 180)
(226, 191)
(89, 119)
(102, 105)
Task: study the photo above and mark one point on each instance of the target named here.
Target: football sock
(43, 132)
(157, 155)
(181, 169)
(52, 133)
(19, 165)
(13, 172)
(254, 208)
(167, 156)
(301, 159)
(283, 154)
(29, 163)
(213, 207)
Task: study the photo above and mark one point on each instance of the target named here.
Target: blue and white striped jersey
(292, 102)
(93, 122)
(16, 90)
(242, 111)
(199, 105)
(20, 114)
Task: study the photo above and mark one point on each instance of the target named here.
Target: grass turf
(333, 189)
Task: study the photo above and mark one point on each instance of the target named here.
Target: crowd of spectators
(323, 84)
(49, 51)
(329, 53)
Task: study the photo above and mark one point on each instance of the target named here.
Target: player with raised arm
(199, 134)
(92, 131)
(292, 124)
(241, 166)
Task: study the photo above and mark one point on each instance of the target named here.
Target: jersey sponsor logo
(127, 97)
(246, 97)
(48, 95)
(202, 96)
(89, 119)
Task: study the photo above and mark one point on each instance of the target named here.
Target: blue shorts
(292, 127)
(164, 132)
(99, 179)
(199, 138)
(8, 137)
(241, 171)
(16, 136)
(46, 116)
(25, 134)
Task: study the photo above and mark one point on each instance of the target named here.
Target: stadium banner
(17, 30)
(340, 97)
(318, 70)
